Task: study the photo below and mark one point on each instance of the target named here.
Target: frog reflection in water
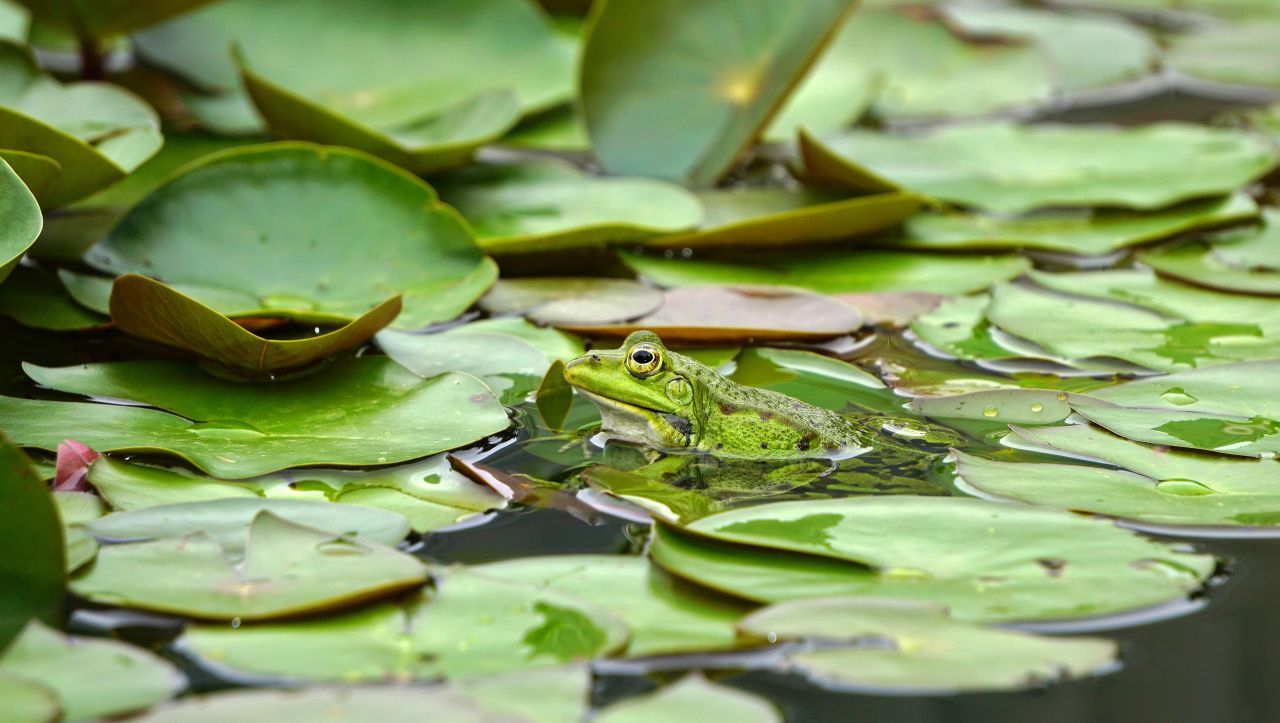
(760, 442)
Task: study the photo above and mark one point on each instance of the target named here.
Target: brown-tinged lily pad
(570, 300)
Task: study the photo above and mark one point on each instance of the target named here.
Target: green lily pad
(475, 626)
(353, 412)
(1006, 406)
(106, 18)
(31, 535)
(286, 249)
(705, 79)
(1241, 53)
(548, 205)
(986, 561)
(1084, 231)
(148, 309)
(510, 366)
(23, 220)
(745, 217)
(833, 95)
(287, 569)
(568, 300)
(1010, 168)
(1252, 248)
(1152, 485)
(1229, 408)
(127, 486)
(27, 700)
(75, 510)
(227, 520)
(736, 314)
(838, 272)
(663, 619)
(913, 647)
(15, 23)
(692, 697)
(96, 133)
(1199, 263)
(91, 678)
(553, 343)
(34, 297)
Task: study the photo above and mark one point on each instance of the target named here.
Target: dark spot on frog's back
(1052, 565)
(727, 409)
(765, 415)
(803, 444)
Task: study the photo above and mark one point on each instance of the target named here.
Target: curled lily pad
(287, 569)
(148, 309)
(509, 365)
(91, 678)
(34, 297)
(706, 79)
(554, 398)
(1256, 248)
(96, 133)
(547, 205)
(745, 217)
(662, 617)
(325, 234)
(1083, 231)
(839, 272)
(572, 300)
(1199, 263)
(733, 314)
(1229, 408)
(474, 626)
(986, 561)
(1006, 406)
(1151, 485)
(353, 412)
(986, 165)
(907, 646)
(23, 220)
(31, 532)
(692, 696)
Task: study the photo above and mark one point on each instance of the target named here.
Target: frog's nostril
(595, 358)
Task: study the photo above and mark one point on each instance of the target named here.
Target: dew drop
(990, 412)
(1183, 488)
(906, 573)
(773, 637)
(1037, 407)
(235, 622)
(1179, 396)
(1062, 396)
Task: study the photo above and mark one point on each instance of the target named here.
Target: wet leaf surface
(31, 534)
(509, 365)
(564, 300)
(23, 221)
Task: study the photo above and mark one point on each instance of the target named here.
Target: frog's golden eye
(643, 360)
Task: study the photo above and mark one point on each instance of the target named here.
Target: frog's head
(642, 390)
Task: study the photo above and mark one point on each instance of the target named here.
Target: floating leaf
(31, 535)
(15, 23)
(1006, 406)
(22, 219)
(353, 412)
(1153, 485)
(548, 205)
(1199, 263)
(553, 343)
(92, 679)
(914, 647)
(33, 297)
(509, 365)
(833, 95)
(324, 235)
(287, 569)
(105, 18)
(692, 696)
(1252, 248)
(95, 133)
(1011, 168)
(133, 486)
(475, 626)
(838, 272)
(567, 300)
(1242, 53)
(706, 79)
(150, 310)
(27, 700)
(986, 561)
(735, 314)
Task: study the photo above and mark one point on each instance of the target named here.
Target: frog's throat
(642, 425)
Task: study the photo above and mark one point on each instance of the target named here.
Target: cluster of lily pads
(307, 308)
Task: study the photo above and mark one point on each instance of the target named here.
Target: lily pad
(31, 535)
(148, 309)
(553, 343)
(912, 647)
(34, 297)
(1152, 485)
(691, 697)
(324, 235)
(23, 220)
(227, 520)
(548, 205)
(105, 18)
(475, 626)
(287, 569)
(1083, 231)
(986, 561)
(510, 366)
(1199, 263)
(1011, 168)
(15, 23)
(568, 300)
(353, 412)
(1242, 53)
(1006, 406)
(1252, 248)
(1230, 408)
(27, 700)
(663, 618)
(833, 95)
(838, 272)
(127, 486)
(705, 79)
(735, 314)
(745, 217)
(92, 679)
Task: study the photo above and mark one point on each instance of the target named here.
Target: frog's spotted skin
(652, 396)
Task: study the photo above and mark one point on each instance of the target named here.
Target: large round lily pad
(510, 366)
(678, 91)
(287, 569)
(23, 220)
(31, 532)
(362, 411)
(912, 647)
(984, 560)
(1010, 168)
(308, 232)
(572, 300)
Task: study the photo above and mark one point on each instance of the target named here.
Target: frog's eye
(643, 360)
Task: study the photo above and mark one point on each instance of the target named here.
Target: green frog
(652, 396)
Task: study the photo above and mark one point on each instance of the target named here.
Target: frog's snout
(574, 369)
